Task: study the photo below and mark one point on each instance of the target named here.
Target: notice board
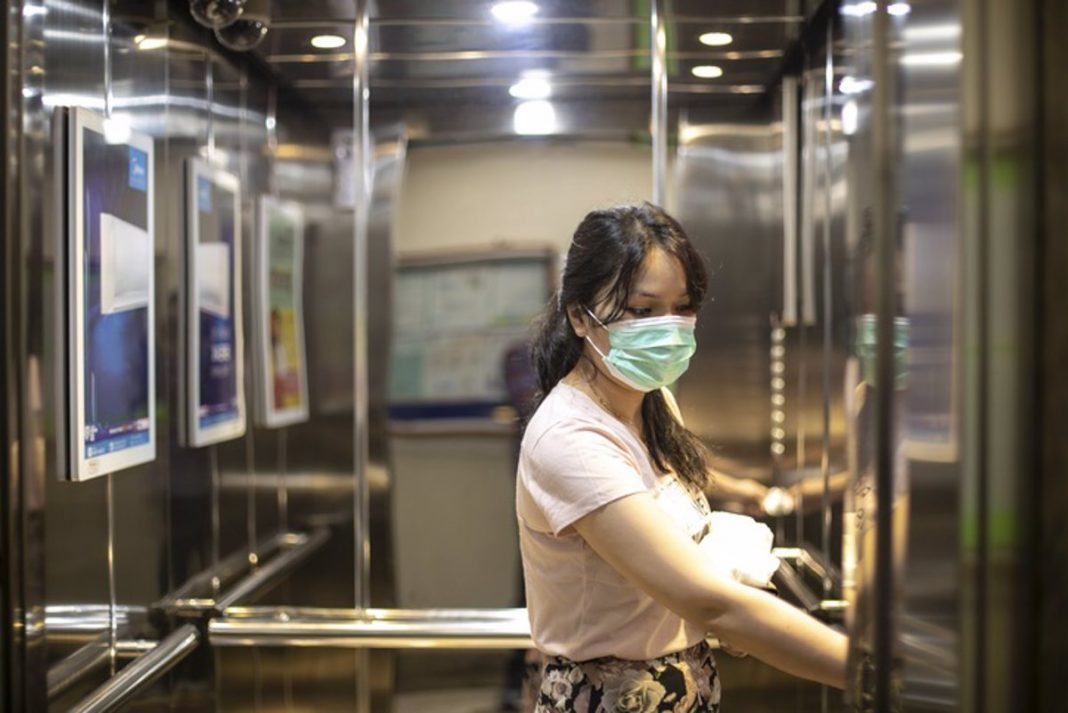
(455, 318)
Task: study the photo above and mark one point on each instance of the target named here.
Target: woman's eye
(684, 309)
(639, 311)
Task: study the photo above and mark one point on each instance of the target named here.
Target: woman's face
(659, 290)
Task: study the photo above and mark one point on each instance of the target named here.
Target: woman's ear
(577, 320)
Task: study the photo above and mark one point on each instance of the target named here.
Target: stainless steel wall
(945, 173)
(165, 521)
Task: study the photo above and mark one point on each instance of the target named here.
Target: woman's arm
(636, 537)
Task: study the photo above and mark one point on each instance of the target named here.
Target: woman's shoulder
(565, 418)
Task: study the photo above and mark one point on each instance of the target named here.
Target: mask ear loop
(587, 337)
(590, 312)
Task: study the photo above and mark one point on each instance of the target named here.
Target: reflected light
(778, 449)
(514, 12)
(715, 39)
(707, 71)
(117, 130)
(920, 33)
(534, 118)
(931, 59)
(852, 85)
(532, 86)
(859, 9)
(850, 116)
(147, 44)
(327, 42)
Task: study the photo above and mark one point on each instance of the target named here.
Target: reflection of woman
(609, 492)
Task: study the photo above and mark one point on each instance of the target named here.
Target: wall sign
(214, 338)
(281, 363)
(110, 281)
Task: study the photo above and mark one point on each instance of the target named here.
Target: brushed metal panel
(930, 170)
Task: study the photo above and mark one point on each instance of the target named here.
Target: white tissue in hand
(740, 547)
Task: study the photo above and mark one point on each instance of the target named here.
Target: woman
(609, 492)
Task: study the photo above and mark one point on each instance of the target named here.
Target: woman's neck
(623, 403)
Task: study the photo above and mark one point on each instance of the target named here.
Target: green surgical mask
(650, 353)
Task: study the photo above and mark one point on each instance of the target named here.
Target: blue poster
(113, 370)
(216, 383)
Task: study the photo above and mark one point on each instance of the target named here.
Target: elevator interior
(874, 186)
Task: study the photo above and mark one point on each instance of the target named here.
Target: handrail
(88, 658)
(85, 621)
(374, 628)
(278, 566)
(291, 549)
(224, 569)
(791, 581)
(65, 673)
(442, 629)
(128, 682)
(794, 558)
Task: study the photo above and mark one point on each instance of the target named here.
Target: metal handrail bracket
(141, 673)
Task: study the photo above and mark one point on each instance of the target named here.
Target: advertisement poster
(280, 314)
(214, 357)
(110, 287)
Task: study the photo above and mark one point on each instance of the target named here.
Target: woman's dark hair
(605, 258)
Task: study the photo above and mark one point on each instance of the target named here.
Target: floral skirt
(682, 682)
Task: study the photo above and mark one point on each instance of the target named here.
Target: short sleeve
(575, 468)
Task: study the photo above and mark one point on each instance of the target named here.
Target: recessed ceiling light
(514, 11)
(715, 39)
(327, 42)
(707, 71)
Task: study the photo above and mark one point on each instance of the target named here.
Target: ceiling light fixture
(715, 39)
(327, 42)
(707, 71)
(514, 12)
(899, 9)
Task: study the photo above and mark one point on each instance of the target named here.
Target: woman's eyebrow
(653, 295)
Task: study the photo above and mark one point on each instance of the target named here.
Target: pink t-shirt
(576, 457)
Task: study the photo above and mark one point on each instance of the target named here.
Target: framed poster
(110, 288)
(281, 359)
(214, 340)
(461, 330)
